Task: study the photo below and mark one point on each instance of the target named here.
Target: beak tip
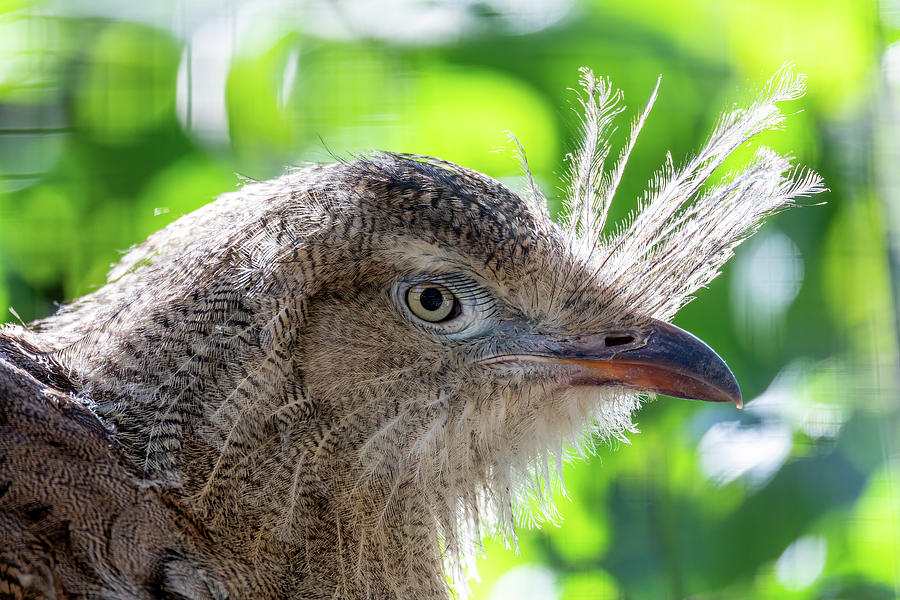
(710, 377)
(730, 388)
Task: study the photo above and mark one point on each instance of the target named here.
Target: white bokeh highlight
(767, 277)
(526, 582)
(801, 563)
(729, 450)
(202, 76)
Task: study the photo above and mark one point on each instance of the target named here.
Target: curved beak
(661, 358)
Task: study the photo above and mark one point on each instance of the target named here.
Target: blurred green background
(118, 117)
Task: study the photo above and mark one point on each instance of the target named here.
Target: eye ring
(432, 302)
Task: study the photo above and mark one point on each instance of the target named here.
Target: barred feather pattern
(252, 363)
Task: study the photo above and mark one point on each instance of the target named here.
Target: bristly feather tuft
(685, 227)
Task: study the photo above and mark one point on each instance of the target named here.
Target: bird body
(334, 383)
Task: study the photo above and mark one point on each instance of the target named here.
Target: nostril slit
(618, 340)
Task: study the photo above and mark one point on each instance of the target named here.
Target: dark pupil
(431, 299)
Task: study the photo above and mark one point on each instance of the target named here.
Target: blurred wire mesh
(116, 118)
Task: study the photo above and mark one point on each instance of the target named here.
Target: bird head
(476, 342)
(463, 334)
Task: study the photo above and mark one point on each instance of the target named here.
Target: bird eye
(432, 302)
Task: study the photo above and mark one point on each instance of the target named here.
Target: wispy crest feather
(585, 205)
(684, 229)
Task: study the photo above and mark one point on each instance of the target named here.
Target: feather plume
(684, 229)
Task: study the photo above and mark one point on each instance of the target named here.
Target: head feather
(685, 228)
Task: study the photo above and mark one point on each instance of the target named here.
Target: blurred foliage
(116, 119)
